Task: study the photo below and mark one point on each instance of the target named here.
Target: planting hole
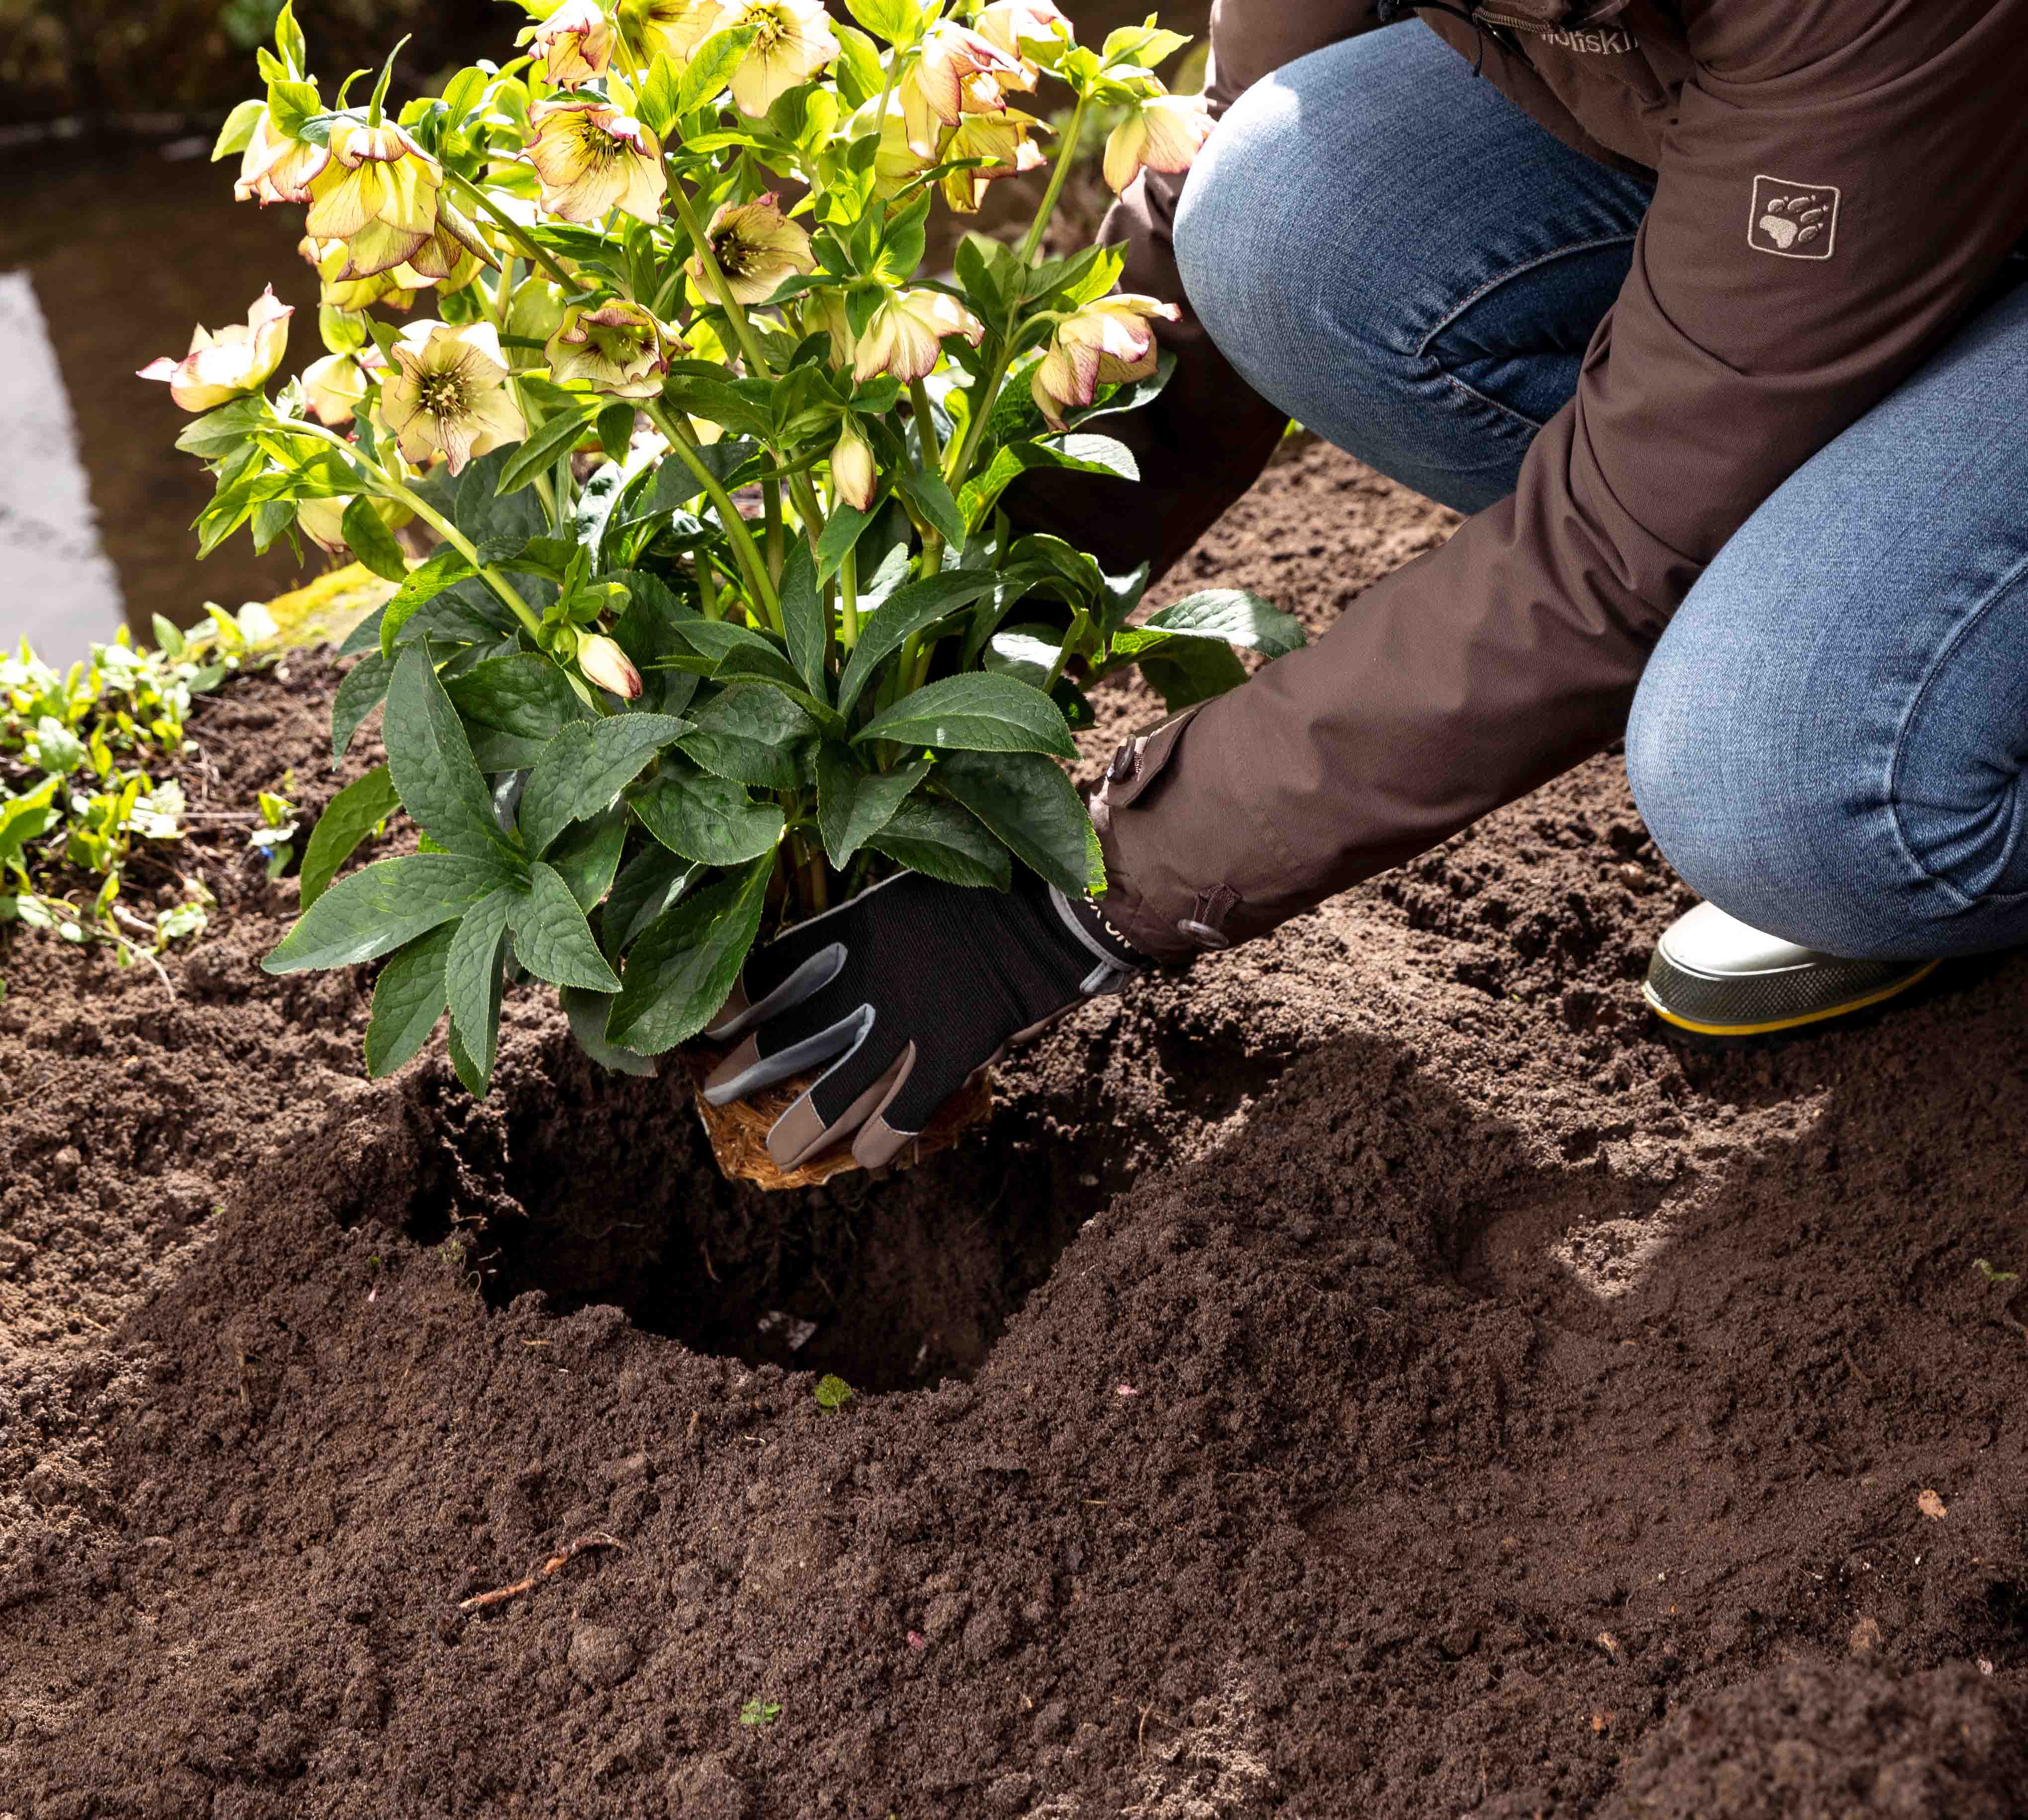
(594, 1188)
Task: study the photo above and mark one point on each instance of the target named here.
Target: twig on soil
(500, 1594)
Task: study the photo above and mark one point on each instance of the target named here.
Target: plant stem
(956, 472)
(378, 480)
(770, 516)
(707, 588)
(676, 434)
(848, 582)
(735, 313)
(513, 229)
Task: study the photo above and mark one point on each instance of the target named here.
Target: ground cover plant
(677, 256)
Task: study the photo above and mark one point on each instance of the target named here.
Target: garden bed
(1378, 1377)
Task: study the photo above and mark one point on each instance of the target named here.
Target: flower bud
(233, 362)
(323, 522)
(1109, 343)
(333, 387)
(852, 477)
(604, 663)
(904, 336)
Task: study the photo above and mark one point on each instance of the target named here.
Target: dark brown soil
(1376, 1376)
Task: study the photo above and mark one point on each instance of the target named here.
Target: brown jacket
(1481, 670)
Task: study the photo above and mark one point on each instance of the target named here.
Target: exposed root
(500, 1594)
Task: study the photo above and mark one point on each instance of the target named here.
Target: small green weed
(832, 1393)
(1993, 1276)
(760, 1712)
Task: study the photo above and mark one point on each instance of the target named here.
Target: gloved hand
(906, 991)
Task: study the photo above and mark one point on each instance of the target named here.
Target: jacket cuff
(1163, 923)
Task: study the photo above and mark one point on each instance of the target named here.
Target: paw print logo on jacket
(1794, 221)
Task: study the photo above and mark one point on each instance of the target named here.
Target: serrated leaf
(753, 734)
(349, 817)
(473, 966)
(808, 636)
(932, 498)
(854, 804)
(945, 842)
(711, 68)
(538, 453)
(582, 770)
(908, 610)
(681, 970)
(362, 689)
(974, 713)
(408, 998)
(1185, 670)
(588, 856)
(711, 820)
(1078, 454)
(648, 884)
(1028, 802)
(371, 541)
(447, 566)
(587, 1012)
(515, 704)
(376, 909)
(841, 532)
(441, 784)
(1233, 615)
(552, 938)
(896, 21)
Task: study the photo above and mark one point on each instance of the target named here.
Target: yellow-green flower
(396, 287)
(604, 663)
(674, 27)
(1164, 133)
(905, 335)
(534, 315)
(235, 361)
(1024, 31)
(574, 43)
(448, 394)
(793, 43)
(618, 349)
(957, 72)
(1003, 137)
(1106, 343)
(756, 246)
(277, 169)
(591, 158)
(852, 477)
(378, 194)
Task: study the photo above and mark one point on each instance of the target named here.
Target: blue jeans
(1830, 739)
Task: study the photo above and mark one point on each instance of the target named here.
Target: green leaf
(1232, 614)
(709, 820)
(655, 96)
(587, 1012)
(1028, 802)
(377, 909)
(237, 133)
(1077, 454)
(753, 734)
(538, 455)
(1185, 670)
(711, 68)
(430, 757)
(362, 691)
(588, 856)
(351, 816)
(218, 433)
(681, 970)
(975, 713)
(859, 76)
(371, 541)
(906, 610)
(513, 706)
(932, 498)
(854, 804)
(809, 637)
(832, 1392)
(586, 767)
(447, 566)
(409, 998)
(24, 818)
(945, 842)
(473, 969)
(842, 531)
(552, 938)
(648, 884)
(615, 431)
(896, 21)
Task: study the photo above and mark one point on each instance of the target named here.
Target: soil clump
(1374, 1374)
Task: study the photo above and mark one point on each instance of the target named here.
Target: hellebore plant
(726, 618)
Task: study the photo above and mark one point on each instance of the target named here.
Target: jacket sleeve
(1204, 441)
(1737, 349)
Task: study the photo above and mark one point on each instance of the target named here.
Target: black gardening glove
(906, 991)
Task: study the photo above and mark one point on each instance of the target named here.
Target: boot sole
(1728, 1010)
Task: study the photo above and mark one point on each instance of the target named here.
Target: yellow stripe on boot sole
(1786, 1023)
